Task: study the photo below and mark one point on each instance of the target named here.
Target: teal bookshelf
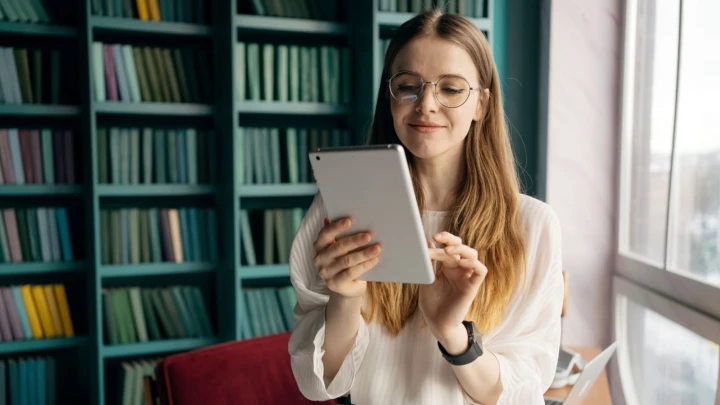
(361, 28)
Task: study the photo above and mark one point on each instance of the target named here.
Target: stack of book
(37, 156)
(135, 314)
(270, 310)
(28, 11)
(150, 74)
(29, 76)
(467, 8)
(34, 312)
(187, 11)
(132, 380)
(35, 234)
(151, 156)
(320, 74)
(277, 228)
(264, 158)
(28, 380)
(153, 235)
(308, 9)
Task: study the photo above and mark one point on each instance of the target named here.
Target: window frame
(680, 286)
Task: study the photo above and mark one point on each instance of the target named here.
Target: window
(669, 204)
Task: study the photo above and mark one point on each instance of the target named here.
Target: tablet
(372, 185)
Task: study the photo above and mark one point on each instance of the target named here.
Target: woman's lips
(426, 128)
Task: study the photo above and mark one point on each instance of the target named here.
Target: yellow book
(64, 310)
(54, 311)
(43, 309)
(142, 7)
(154, 7)
(33, 316)
(175, 235)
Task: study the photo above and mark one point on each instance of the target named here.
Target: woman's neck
(440, 178)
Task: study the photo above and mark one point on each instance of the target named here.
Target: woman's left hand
(445, 303)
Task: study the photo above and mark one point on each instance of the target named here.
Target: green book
(114, 142)
(131, 73)
(239, 71)
(253, 70)
(106, 246)
(172, 160)
(134, 233)
(145, 256)
(33, 235)
(294, 69)
(191, 328)
(159, 151)
(268, 245)
(182, 77)
(4, 246)
(147, 155)
(138, 315)
(282, 73)
(150, 317)
(163, 314)
(172, 77)
(23, 73)
(314, 79)
(102, 158)
(131, 327)
(143, 76)
(23, 234)
(112, 332)
(122, 317)
(191, 156)
(240, 155)
(98, 68)
(128, 381)
(268, 79)
(173, 312)
(162, 75)
(153, 75)
(325, 85)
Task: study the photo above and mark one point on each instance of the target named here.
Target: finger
(476, 266)
(464, 251)
(355, 272)
(350, 260)
(439, 255)
(330, 231)
(345, 245)
(447, 238)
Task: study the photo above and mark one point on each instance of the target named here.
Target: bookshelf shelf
(27, 268)
(37, 30)
(154, 190)
(277, 190)
(39, 110)
(35, 345)
(289, 25)
(155, 269)
(264, 271)
(155, 347)
(131, 25)
(44, 190)
(184, 109)
(289, 108)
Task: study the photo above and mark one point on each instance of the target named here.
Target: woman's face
(426, 127)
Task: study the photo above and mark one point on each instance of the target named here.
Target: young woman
(497, 252)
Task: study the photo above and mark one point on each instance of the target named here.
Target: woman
(497, 252)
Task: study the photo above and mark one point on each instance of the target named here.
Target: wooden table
(599, 393)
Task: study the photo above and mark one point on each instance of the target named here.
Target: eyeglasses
(450, 91)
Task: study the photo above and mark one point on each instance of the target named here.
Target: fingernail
(346, 222)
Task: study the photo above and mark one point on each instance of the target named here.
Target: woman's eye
(451, 90)
(407, 88)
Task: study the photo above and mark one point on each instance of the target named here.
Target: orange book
(64, 310)
(175, 235)
(43, 310)
(142, 7)
(54, 311)
(154, 7)
(32, 311)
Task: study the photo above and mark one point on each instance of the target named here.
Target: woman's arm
(341, 327)
(520, 355)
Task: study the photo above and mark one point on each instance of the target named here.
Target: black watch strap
(473, 352)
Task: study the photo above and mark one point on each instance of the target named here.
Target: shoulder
(536, 218)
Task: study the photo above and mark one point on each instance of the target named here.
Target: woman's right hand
(342, 261)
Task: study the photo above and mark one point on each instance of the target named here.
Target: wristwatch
(474, 348)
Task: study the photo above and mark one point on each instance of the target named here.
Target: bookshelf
(227, 280)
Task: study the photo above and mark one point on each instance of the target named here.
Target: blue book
(25, 388)
(64, 232)
(14, 372)
(41, 380)
(182, 163)
(212, 235)
(185, 235)
(120, 73)
(155, 244)
(14, 139)
(195, 234)
(3, 383)
(22, 312)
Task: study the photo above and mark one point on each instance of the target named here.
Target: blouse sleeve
(308, 336)
(528, 342)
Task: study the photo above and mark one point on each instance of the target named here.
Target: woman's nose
(427, 102)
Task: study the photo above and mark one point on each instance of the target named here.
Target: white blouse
(409, 369)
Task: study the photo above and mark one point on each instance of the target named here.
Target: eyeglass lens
(450, 91)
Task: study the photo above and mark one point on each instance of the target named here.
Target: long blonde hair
(486, 206)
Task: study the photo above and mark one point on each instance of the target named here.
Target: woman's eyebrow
(444, 74)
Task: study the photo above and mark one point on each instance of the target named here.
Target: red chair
(253, 371)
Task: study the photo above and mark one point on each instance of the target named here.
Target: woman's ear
(481, 105)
